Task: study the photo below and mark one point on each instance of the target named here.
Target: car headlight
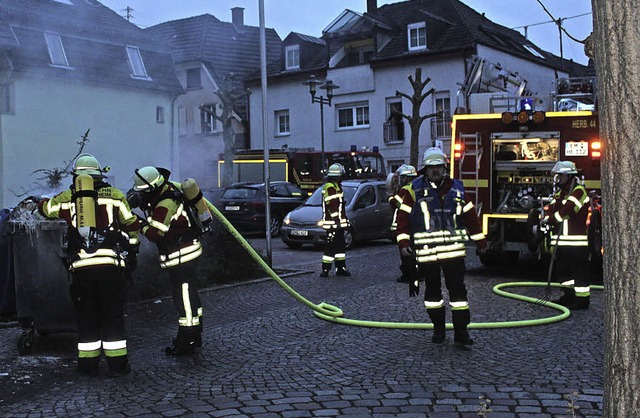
(320, 222)
(286, 220)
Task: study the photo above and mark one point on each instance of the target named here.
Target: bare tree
(415, 120)
(616, 52)
(230, 92)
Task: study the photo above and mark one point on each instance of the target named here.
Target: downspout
(175, 148)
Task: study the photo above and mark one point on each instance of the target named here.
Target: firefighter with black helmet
(401, 194)
(566, 220)
(169, 226)
(102, 243)
(433, 225)
(335, 222)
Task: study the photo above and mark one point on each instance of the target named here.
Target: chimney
(237, 16)
(372, 6)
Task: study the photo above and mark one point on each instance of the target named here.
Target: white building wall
(51, 117)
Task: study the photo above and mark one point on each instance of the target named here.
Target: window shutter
(182, 121)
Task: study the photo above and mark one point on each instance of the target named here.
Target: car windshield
(240, 193)
(316, 198)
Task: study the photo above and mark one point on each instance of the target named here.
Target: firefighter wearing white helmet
(102, 240)
(170, 227)
(405, 174)
(434, 222)
(334, 222)
(566, 221)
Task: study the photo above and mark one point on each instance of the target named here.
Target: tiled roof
(223, 47)
(94, 38)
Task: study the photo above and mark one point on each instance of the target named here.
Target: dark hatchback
(243, 204)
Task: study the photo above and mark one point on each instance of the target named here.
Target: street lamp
(328, 85)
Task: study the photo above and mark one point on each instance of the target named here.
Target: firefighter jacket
(401, 200)
(171, 229)
(333, 207)
(567, 216)
(116, 227)
(438, 221)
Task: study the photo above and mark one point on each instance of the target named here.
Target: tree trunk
(228, 135)
(617, 59)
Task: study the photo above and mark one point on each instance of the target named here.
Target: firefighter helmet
(335, 170)
(147, 179)
(407, 170)
(434, 156)
(87, 164)
(564, 167)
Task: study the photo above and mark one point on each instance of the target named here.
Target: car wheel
(294, 245)
(276, 224)
(348, 238)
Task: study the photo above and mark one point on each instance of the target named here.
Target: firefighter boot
(580, 303)
(567, 298)
(438, 320)
(461, 319)
(118, 366)
(342, 271)
(185, 343)
(325, 272)
(88, 366)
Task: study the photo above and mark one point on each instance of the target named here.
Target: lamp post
(328, 85)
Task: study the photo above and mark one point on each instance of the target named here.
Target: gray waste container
(43, 302)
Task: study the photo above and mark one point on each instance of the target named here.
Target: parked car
(243, 204)
(367, 208)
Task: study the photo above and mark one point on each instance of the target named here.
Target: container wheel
(26, 342)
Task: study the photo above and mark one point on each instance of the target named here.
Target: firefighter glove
(414, 288)
(406, 251)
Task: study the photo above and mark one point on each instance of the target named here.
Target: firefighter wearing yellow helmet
(103, 240)
(434, 222)
(334, 222)
(170, 226)
(566, 221)
(405, 174)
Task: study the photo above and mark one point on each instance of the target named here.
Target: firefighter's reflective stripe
(183, 255)
(576, 202)
(186, 302)
(333, 196)
(582, 291)
(568, 283)
(467, 207)
(405, 208)
(115, 348)
(327, 259)
(433, 305)
(459, 306)
(440, 237)
(102, 256)
(89, 350)
(402, 237)
(158, 225)
(477, 237)
(441, 252)
(341, 256)
(426, 214)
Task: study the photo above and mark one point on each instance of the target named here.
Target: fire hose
(334, 314)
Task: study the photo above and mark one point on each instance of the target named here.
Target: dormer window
(57, 55)
(417, 36)
(292, 57)
(136, 63)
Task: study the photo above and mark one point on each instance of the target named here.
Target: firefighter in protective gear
(168, 225)
(433, 224)
(567, 221)
(335, 222)
(406, 174)
(97, 260)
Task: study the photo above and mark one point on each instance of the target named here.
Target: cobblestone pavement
(267, 355)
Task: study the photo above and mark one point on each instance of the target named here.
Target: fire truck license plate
(300, 232)
(232, 208)
(576, 149)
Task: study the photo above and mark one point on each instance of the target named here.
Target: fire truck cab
(505, 161)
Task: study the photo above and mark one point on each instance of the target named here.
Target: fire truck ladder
(472, 149)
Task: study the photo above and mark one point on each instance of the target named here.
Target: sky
(312, 16)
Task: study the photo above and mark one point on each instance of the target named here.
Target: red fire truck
(505, 161)
(302, 166)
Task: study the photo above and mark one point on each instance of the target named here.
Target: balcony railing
(393, 132)
(440, 128)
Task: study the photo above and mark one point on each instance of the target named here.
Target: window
(441, 124)
(417, 36)
(283, 126)
(159, 114)
(353, 116)
(57, 55)
(292, 54)
(533, 51)
(366, 198)
(135, 61)
(6, 99)
(193, 78)
(208, 118)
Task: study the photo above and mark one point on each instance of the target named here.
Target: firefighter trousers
(334, 250)
(99, 296)
(186, 301)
